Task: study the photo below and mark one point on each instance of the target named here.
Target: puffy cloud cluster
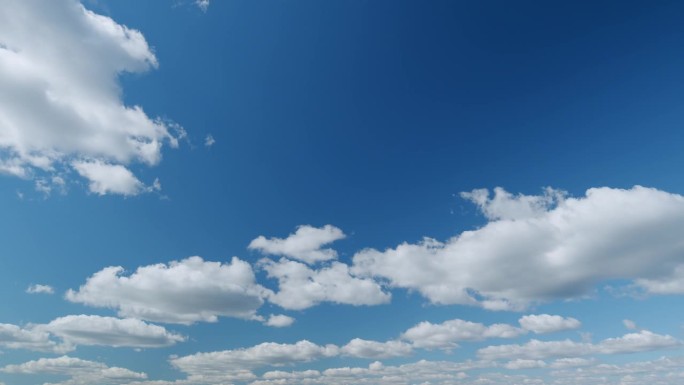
(538, 248)
(60, 102)
(301, 286)
(545, 323)
(184, 292)
(40, 289)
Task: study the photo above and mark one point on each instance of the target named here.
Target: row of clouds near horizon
(303, 270)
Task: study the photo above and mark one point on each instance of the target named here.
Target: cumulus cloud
(184, 292)
(109, 331)
(545, 323)
(447, 334)
(304, 244)
(15, 337)
(79, 371)
(279, 321)
(373, 349)
(60, 102)
(215, 366)
(539, 248)
(539, 350)
(301, 287)
(40, 289)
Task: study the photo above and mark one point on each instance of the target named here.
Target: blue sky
(341, 192)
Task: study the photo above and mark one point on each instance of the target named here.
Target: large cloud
(538, 248)
(60, 102)
(183, 292)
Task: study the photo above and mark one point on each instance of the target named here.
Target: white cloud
(560, 248)
(15, 337)
(524, 364)
(279, 321)
(183, 292)
(304, 244)
(109, 178)
(506, 206)
(373, 349)
(80, 372)
(301, 287)
(202, 4)
(209, 140)
(539, 350)
(217, 366)
(447, 334)
(545, 323)
(40, 289)
(60, 101)
(108, 331)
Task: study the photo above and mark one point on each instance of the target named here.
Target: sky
(327, 192)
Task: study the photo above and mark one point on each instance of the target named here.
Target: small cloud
(279, 321)
(629, 324)
(40, 289)
(209, 141)
(202, 4)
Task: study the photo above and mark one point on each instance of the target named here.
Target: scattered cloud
(279, 321)
(80, 372)
(209, 140)
(545, 323)
(61, 103)
(629, 324)
(186, 291)
(538, 350)
(202, 4)
(539, 248)
(375, 350)
(447, 334)
(29, 338)
(304, 244)
(40, 289)
(109, 331)
(301, 287)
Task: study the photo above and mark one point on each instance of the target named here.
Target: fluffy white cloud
(80, 372)
(108, 331)
(550, 248)
(301, 287)
(40, 289)
(447, 334)
(373, 349)
(279, 321)
(15, 337)
(304, 244)
(60, 102)
(109, 178)
(183, 292)
(539, 350)
(545, 323)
